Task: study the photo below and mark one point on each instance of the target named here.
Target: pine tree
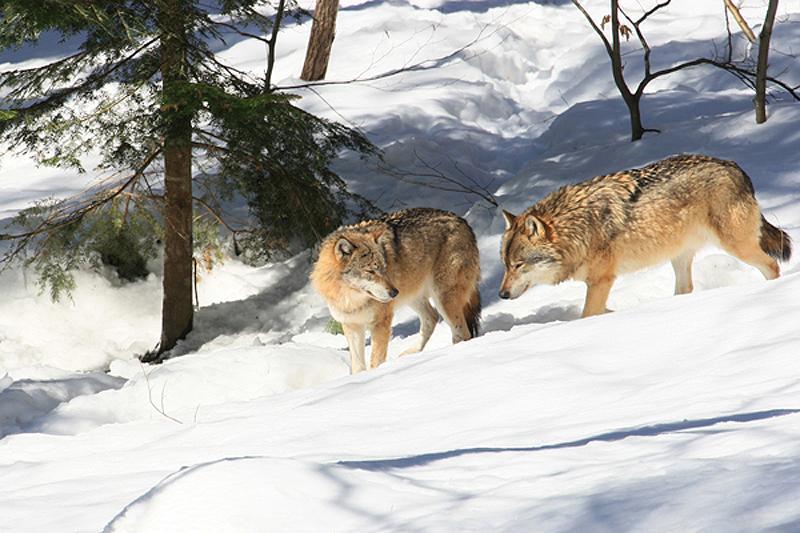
(145, 91)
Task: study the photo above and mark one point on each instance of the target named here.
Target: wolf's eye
(519, 265)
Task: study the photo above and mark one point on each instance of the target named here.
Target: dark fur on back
(664, 170)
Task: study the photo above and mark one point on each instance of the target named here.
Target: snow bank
(672, 415)
(23, 401)
(181, 389)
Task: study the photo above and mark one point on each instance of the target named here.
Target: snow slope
(671, 414)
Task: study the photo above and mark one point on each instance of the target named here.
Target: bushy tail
(472, 312)
(774, 241)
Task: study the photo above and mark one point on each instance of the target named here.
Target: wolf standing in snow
(365, 271)
(595, 230)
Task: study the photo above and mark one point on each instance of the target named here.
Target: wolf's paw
(413, 349)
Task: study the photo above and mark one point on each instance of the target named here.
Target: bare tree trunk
(631, 100)
(763, 59)
(637, 129)
(320, 41)
(177, 312)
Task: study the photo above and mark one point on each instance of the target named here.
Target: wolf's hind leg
(682, 264)
(751, 253)
(428, 317)
(738, 229)
(354, 333)
(453, 311)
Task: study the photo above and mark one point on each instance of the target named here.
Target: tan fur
(367, 270)
(595, 230)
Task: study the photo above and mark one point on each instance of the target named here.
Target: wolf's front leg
(597, 295)
(381, 332)
(354, 333)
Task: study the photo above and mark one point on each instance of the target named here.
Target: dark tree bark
(632, 100)
(177, 310)
(763, 60)
(323, 30)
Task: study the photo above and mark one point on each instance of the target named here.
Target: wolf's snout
(505, 294)
(393, 292)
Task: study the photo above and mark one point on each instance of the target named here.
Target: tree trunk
(637, 130)
(177, 311)
(323, 30)
(631, 100)
(763, 57)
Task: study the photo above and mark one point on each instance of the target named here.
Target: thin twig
(150, 397)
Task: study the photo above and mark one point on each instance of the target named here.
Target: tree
(323, 31)
(145, 91)
(764, 38)
(632, 98)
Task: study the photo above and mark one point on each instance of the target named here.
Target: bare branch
(437, 179)
(595, 27)
(419, 66)
(150, 397)
(737, 16)
(646, 14)
(272, 42)
(640, 35)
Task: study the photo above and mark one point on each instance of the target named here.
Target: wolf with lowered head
(598, 229)
(367, 270)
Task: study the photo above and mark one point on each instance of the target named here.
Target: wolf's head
(528, 253)
(362, 262)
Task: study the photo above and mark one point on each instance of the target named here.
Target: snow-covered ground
(671, 414)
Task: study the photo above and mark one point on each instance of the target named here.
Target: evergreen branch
(218, 216)
(61, 95)
(74, 214)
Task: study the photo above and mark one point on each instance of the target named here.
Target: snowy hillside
(670, 414)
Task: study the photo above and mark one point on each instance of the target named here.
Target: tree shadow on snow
(611, 436)
(731, 495)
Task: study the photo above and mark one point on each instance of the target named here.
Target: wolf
(598, 229)
(367, 270)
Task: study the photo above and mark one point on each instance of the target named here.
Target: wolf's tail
(774, 241)
(472, 312)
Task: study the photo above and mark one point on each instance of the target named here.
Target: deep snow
(671, 414)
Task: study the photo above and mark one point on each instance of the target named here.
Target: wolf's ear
(343, 248)
(535, 226)
(509, 218)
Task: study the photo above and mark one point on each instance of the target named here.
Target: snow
(674, 413)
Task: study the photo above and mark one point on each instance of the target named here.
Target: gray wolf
(595, 230)
(367, 270)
